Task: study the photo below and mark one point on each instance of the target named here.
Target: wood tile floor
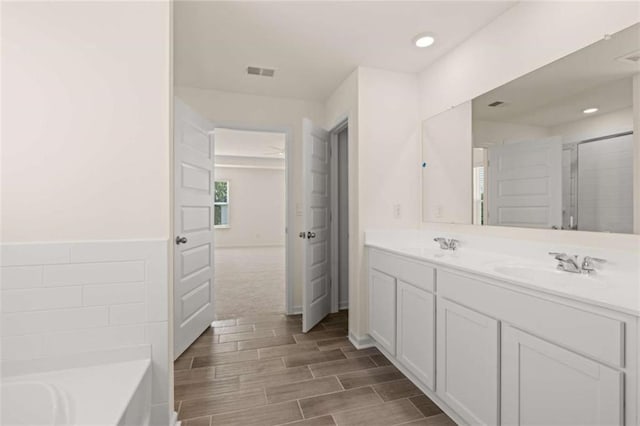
(263, 371)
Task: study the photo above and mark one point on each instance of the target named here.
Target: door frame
(290, 213)
(334, 240)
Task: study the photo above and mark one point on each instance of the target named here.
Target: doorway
(237, 225)
(340, 211)
(325, 236)
(250, 222)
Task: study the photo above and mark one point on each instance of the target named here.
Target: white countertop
(615, 285)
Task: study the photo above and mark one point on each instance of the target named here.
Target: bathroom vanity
(499, 337)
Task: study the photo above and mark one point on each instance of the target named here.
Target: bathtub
(108, 394)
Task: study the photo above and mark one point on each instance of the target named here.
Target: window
(221, 204)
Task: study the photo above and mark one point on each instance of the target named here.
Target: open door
(316, 291)
(525, 184)
(193, 226)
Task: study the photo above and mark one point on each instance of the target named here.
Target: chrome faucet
(447, 244)
(570, 263)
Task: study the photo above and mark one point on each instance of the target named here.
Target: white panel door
(544, 384)
(468, 362)
(416, 332)
(193, 226)
(316, 291)
(382, 310)
(524, 184)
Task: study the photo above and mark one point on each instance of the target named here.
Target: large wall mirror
(555, 148)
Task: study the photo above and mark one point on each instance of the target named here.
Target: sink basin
(552, 276)
(428, 252)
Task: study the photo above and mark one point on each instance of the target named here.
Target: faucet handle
(588, 263)
(561, 256)
(453, 243)
(444, 244)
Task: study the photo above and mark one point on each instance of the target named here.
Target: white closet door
(316, 289)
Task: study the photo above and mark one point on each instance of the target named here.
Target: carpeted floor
(249, 281)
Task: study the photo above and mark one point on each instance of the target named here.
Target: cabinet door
(382, 310)
(416, 332)
(544, 384)
(468, 363)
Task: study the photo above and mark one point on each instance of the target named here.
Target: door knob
(311, 235)
(181, 240)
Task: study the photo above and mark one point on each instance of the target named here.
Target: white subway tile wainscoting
(85, 303)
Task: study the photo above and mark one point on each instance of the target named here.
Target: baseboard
(174, 419)
(343, 305)
(361, 343)
(296, 310)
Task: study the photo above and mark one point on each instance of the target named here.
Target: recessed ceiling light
(590, 110)
(424, 40)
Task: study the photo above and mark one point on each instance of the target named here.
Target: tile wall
(83, 300)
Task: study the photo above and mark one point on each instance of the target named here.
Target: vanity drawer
(592, 334)
(410, 271)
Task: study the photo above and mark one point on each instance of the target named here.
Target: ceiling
(313, 45)
(244, 143)
(558, 92)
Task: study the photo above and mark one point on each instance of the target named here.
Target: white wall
(526, 37)
(389, 148)
(595, 126)
(256, 207)
(86, 90)
(85, 114)
(487, 132)
(446, 146)
(384, 165)
(234, 109)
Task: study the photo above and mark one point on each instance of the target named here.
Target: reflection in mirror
(555, 148)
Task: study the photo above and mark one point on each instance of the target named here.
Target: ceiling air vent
(497, 104)
(632, 57)
(264, 72)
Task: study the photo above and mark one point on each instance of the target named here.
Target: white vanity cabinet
(544, 384)
(468, 368)
(490, 352)
(403, 324)
(416, 332)
(382, 310)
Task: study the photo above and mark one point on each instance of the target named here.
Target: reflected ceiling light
(424, 40)
(589, 110)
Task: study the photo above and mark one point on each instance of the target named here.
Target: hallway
(260, 370)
